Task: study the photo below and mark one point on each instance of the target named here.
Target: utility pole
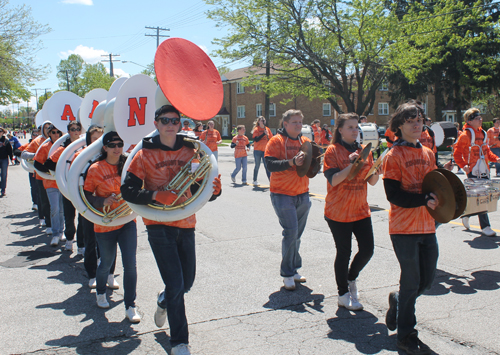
(36, 96)
(67, 79)
(111, 74)
(157, 35)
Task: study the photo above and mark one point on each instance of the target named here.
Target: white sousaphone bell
(25, 163)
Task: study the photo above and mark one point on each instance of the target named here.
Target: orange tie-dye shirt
(493, 137)
(347, 201)
(390, 135)
(157, 168)
(241, 146)
(427, 141)
(210, 138)
(409, 166)
(41, 156)
(103, 181)
(286, 182)
(261, 144)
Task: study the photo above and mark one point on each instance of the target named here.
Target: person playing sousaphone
(346, 208)
(289, 192)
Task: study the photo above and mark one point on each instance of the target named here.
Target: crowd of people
(412, 230)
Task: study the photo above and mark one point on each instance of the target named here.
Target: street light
(129, 61)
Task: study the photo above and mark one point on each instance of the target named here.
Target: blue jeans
(126, 238)
(292, 212)
(174, 251)
(56, 211)
(484, 220)
(4, 165)
(258, 155)
(241, 163)
(496, 151)
(417, 255)
(34, 189)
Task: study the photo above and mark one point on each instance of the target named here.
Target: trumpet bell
(27, 165)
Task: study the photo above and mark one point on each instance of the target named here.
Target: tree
(43, 98)
(68, 73)
(94, 76)
(334, 50)
(19, 44)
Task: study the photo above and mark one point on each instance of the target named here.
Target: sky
(92, 28)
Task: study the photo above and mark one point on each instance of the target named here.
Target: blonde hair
(469, 113)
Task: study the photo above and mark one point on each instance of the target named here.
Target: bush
(487, 125)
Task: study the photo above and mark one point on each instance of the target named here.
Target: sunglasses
(167, 120)
(54, 132)
(113, 145)
(75, 129)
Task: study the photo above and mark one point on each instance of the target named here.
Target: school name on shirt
(110, 176)
(414, 162)
(169, 163)
(352, 187)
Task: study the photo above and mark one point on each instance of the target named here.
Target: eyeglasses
(167, 120)
(75, 129)
(186, 123)
(113, 145)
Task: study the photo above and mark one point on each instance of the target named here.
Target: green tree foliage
(19, 43)
(336, 50)
(68, 73)
(94, 76)
(150, 71)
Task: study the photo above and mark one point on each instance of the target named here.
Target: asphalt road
(238, 304)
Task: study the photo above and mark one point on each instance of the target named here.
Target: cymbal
(438, 184)
(315, 162)
(359, 162)
(376, 165)
(458, 191)
(306, 147)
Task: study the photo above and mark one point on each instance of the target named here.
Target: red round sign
(188, 78)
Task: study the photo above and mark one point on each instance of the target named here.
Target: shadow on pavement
(484, 280)
(483, 242)
(301, 299)
(164, 340)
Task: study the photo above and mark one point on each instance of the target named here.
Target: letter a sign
(137, 110)
(67, 113)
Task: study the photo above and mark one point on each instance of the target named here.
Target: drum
(445, 133)
(494, 196)
(469, 183)
(368, 133)
(495, 182)
(478, 200)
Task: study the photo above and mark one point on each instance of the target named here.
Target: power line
(111, 74)
(157, 35)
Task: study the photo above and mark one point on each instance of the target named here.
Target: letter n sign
(67, 113)
(137, 110)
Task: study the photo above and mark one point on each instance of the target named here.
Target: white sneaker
(101, 301)
(233, 179)
(132, 315)
(256, 183)
(289, 283)
(55, 241)
(92, 283)
(353, 289)
(299, 278)
(160, 316)
(42, 223)
(465, 222)
(34, 207)
(181, 349)
(69, 245)
(81, 251)
(489, 232)
(63, 238)
(348, 302)
(49, 231)
(112, 283)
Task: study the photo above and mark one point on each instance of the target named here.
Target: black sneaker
(392, 313)
(412, 345)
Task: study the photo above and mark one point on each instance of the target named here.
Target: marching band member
(325, 135)
(28, 154)
(50, 186)
(186, 126)
(289, 192)
(494, 142)
(211, 137)
(74, 129)
(261, 135)
(198, 129)
(471, 158)
(33, 186)
(5, 153)
(316, 127)
(411, 227)
(346, 208)
(172, 243)
(102, 184)
(241, 146)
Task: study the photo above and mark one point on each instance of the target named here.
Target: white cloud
(89, 54)
(118, 72)
(78, 2)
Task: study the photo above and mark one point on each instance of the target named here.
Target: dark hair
(166, 109)
(403, 113)
(340, 123)
(73, 123)
(92, 129)
(198, 125)
(121, 161)
(496, 119)
(362, 118)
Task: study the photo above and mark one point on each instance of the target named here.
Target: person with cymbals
(411, 227)
(289, 192)
(346, 207)
(261, 135)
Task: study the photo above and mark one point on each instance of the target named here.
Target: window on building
(327, 109)
(257, 87)
(384, 86)
(272, 110)
(241, 111)
(240, 89)
(383, 108)
(258, 110)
